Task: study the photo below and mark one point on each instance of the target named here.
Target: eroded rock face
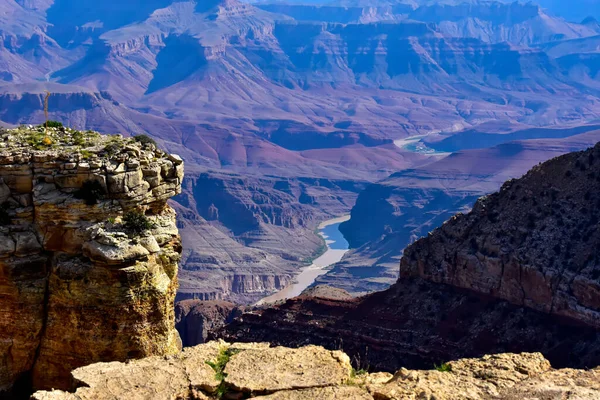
(255, 370)
(78, 284)
(534, 243)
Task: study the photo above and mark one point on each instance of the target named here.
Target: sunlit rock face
(88, 252)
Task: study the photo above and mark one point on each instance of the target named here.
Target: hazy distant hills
(327, 69)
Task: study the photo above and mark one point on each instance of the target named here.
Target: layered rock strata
(255, 370)
(88, 252)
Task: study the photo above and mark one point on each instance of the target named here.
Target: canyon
(419, 119)
(509, 276)
(286, 113)
(470, 301)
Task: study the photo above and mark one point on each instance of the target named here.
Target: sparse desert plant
(46, 111)
(444, 367)
(54, 124)
(38, 140)
(357, 372)
(86, 154)
(136, 222)
(78, 138)
(112, 148)
(219, 366)
(144, 139)
(91, 191)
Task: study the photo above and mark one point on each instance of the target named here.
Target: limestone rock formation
(534, 243)
(88, 252)
(255, 370)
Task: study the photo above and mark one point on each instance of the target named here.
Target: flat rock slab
(326, 393)
(53, 395)
(466, 379)
(564, 384)
(280, 368)
(184, 376)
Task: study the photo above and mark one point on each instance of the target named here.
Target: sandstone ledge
(255, 370)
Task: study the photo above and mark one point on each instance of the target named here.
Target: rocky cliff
(533, 243)
(392, 213)
(255, 370)
(88, 252)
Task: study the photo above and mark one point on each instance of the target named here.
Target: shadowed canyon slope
(518, 273)
(394, 212)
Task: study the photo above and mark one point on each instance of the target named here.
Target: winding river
(337, 246)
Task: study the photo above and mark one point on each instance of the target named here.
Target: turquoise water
(332, 233)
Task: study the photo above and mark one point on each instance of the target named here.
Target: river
(337, 246)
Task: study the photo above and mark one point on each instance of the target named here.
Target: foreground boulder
(255, 370)
(88, 253)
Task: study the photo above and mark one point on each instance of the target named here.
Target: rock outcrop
(255, 370)
(88, 252)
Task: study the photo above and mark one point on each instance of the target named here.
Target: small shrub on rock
(144, 139)
(54, 124)
(136, 222)
(112, 148)
(91, 191)
(445, 367)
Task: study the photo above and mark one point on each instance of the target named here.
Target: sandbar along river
(337, 246)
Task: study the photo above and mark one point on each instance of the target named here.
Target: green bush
(445, 367)
(91, 191)
(112, 149)
(144, 139)
(78, 138)
(137, 222)
(54, 124)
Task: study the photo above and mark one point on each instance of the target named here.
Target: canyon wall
(89, 253)
(394, 212)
